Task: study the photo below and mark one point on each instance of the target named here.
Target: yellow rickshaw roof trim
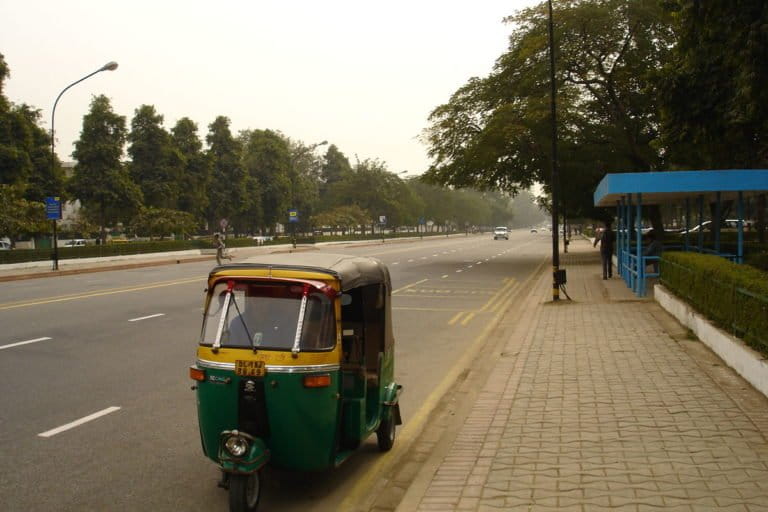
(270, 357)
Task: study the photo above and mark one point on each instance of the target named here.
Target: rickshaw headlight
(236, 445)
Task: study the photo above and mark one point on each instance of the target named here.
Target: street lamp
(294, 179)
(109, 66)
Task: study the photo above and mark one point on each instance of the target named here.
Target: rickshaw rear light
(196, 373)
(317, 381)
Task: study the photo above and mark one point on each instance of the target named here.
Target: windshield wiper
(223, 319)
(300, 325)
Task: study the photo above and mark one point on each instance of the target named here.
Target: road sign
(293, 215)
(382, 219)
(422, 221)
(53, 208)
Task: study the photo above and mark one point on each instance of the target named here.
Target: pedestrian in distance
(218, 242)
(606, 239)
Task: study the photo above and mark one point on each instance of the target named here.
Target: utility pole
(556, 274)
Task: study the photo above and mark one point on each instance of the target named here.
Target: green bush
(99, 251)
(758, 260)
(734, 296)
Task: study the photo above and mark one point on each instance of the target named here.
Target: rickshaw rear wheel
(244, 492)
(385, 435)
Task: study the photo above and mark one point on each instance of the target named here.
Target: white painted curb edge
(746, 362)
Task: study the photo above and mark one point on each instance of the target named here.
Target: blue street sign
(53, 208)
(422, 220)
(293, 215)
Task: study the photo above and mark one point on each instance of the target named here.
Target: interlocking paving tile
(600, 409)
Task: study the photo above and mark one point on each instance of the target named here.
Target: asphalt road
(96, 411)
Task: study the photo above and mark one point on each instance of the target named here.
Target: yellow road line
(112, 291)
(509, 283)
(424, 309)
(467, 319)
(408, 286)
(456, 317)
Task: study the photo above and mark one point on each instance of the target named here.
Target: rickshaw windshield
(266, 315)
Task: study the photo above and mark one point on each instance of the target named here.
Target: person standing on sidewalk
(606, 239)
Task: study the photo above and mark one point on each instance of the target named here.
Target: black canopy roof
(352, 271)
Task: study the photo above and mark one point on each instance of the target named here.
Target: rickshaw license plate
(250, 368)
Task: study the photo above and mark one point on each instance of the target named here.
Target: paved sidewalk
(600, 403)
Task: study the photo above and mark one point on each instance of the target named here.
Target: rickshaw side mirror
(346, 299)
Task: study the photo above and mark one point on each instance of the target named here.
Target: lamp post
(308, 149)
(556, 271)
(109, 66)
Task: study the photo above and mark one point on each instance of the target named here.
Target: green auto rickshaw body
(302, 395)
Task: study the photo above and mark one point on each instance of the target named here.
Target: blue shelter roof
(672, 186)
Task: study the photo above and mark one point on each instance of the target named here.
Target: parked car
(5, 246)
(501, 232)
(260, 239)
(77, 242)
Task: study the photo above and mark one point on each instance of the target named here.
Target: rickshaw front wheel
(244, 492)
(385, 435)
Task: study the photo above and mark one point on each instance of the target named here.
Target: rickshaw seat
(352, 349)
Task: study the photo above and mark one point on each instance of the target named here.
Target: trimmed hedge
(99, 251)
(127, 248)
(733, 296)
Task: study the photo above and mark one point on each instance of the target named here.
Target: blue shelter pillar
(687, 223)
(701, 219)
(716, 221)
(639, 247)
(740, 249)
(627, 242)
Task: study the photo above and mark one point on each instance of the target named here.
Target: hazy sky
(363, 75)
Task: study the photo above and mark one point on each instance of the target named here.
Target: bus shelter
(630, 192)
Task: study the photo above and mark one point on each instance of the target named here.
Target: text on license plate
(250, 368)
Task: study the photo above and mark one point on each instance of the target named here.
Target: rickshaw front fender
(257, 456)
(391, 400)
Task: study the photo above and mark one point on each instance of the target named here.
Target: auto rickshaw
(295, 366)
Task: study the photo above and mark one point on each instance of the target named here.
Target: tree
(156, 165)
(305, 176)
(25, 154)
(714, 97)
(335, 168)
(266, 158)
(197, 169)
(494, 132)
(18, 215)
(374, 189)
(226, 189)
(161, 222)
(100, 180)
(344, 217)
(714, 101)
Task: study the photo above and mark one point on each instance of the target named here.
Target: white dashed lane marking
(19, 343)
